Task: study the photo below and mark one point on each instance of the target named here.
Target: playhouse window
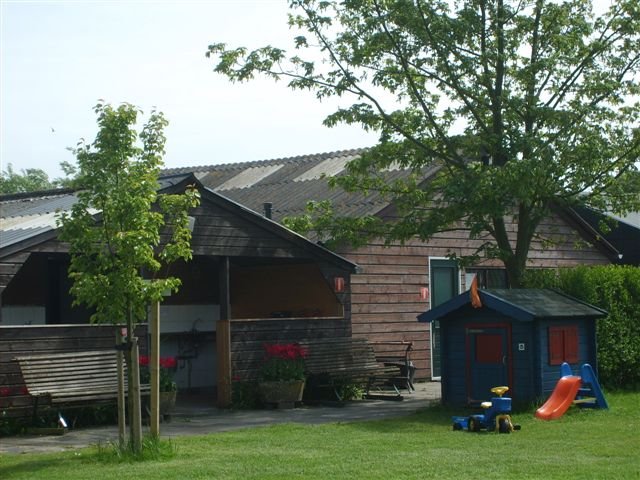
(563, 344)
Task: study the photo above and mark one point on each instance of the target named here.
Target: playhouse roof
(521, 304)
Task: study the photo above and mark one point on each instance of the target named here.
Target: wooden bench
(335, 362)
(72, 379)
(397, 353)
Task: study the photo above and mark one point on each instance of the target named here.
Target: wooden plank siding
(385, 295)
(33, 340)
(9, 266)
(220, 232)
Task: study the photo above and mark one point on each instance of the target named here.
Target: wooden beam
(154, 368)
(223, 337)
(121, 397)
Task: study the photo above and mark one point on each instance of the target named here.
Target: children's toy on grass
(583, 391)
(496, 416)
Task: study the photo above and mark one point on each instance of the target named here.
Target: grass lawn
(584, 444)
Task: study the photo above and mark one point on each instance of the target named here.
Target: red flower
(168, 362)
(5, 391)
(144, 360)
(283, 362)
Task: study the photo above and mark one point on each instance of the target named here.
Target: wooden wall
(10, 266)
(282, 290)
(385, 296)
(248, 337)
(35, 340)
(221, 232)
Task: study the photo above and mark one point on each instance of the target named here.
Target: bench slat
(73, 377)
(351, 359)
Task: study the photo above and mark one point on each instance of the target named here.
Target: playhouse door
(488, 360)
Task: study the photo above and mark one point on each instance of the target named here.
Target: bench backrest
(65, 373)
(339, 354)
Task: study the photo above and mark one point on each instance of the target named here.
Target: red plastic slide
(561, 398)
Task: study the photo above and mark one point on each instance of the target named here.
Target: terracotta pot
(282, 393)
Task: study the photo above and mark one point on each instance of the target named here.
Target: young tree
(114, 229)
(510, 107)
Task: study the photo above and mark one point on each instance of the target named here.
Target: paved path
(196, 419)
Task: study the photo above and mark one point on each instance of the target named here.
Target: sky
(58, 58)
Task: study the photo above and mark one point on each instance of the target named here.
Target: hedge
(615, 289)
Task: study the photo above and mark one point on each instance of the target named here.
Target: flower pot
(167, 402)
(283, 394)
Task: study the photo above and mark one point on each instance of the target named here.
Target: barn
(517, 337)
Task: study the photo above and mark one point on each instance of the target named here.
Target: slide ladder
(590, 394)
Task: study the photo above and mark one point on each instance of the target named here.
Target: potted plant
(282, 375)
(168, 386)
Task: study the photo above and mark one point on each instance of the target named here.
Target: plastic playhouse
(583, 391)
(496, 416)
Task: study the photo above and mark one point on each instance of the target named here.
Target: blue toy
(496, 416)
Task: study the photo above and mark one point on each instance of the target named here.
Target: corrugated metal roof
(249, 177)
(327, 168)
(290, 183)
(23, 217)
(36, 205)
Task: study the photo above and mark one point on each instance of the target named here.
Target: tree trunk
(133, 377)
(515, 271)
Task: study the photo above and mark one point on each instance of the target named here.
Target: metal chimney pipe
(268, 207)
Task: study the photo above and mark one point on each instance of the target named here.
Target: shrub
(615, 289)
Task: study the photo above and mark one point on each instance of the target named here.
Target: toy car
(496, 416)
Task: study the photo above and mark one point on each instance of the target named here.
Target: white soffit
(249, 177)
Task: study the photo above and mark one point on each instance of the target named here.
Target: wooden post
(134, 392)
(154, 368)
(223, 338)
(121, 397)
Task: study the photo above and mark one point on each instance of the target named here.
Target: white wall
(186, 331)
(184, 318)
(22, 316)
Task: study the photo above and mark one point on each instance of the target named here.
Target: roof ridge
(235, 165)
(55, 192)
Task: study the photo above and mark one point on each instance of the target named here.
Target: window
(487, 277)
(563, 345)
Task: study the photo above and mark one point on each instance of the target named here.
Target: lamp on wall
(338, 284)
(424, 293)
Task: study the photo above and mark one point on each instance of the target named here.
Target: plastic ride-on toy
(496, 417)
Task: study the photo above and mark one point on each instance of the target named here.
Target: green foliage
(29, 180)
(351, 391)
(615, 289)
(114, 228)
(34, 179)
(245, 396)
(509, 107)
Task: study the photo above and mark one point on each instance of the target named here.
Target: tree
(510, 107)
(29, 180)
(114, 228)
